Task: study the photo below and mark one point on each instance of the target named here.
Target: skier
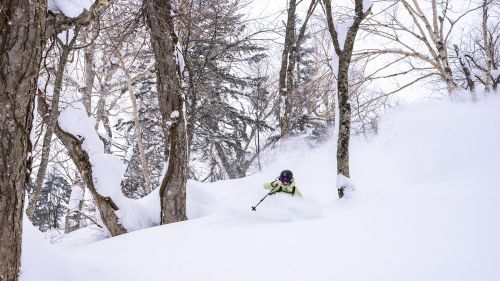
(285, 183)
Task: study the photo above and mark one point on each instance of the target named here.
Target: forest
(120, 116)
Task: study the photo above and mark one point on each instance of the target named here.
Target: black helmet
(286, 175)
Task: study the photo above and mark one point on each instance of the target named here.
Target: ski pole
(254, 208)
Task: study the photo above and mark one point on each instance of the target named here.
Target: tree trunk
(192, 107)
(344, 122)
(286, 73)
(192, 91)
(51, 122)
(137, 125)
(344, 53)
(435, 34)
(172, 107)
(465, 69)
(102, 116)
(297, 100)
(232, 170)
(76, 200)
(89, 77)
(487, 47)
(22, 24)
(102, 113)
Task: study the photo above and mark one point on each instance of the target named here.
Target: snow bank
(40, 261)
(433, 145)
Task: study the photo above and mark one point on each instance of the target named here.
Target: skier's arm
(274, 186)
(297, 192)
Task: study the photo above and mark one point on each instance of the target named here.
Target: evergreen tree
(304, 119)
(52, 205)
(217, 51)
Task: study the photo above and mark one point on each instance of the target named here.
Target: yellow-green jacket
(277, 186)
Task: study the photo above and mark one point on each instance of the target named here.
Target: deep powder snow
(426, 207)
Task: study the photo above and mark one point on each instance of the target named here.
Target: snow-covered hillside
(426, 207)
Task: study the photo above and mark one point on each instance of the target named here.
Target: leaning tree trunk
(22, 23)
(73, 145)
(172, 107)
(465, 69)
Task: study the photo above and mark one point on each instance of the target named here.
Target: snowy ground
(426, 207)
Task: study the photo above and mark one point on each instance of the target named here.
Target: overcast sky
(272, 14)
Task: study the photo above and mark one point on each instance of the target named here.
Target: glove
(275, 188)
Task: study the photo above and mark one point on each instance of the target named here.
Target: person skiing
(284, 183)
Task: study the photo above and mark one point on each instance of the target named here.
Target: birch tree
(423, 37)
(135, 112)
(483, 54)
(138, 130)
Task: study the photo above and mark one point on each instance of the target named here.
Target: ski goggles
(286, 181)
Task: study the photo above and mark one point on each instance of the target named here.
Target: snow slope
(426, 207)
